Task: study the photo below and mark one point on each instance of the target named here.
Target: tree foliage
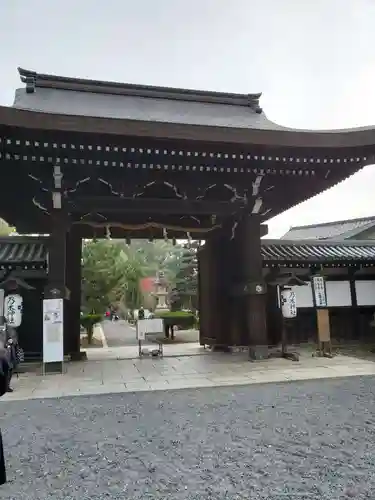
(103, 275)
(112, 272)
(5, 228)
(185, 291)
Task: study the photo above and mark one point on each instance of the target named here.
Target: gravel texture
(305, 440)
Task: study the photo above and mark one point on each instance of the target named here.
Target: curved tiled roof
(340, 230)
(319, 252)
(20, 250)
(78, 105)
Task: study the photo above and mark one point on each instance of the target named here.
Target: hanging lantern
(13, 304)
(288, 303)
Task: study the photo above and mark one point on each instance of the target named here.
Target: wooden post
(322, 315)
(247, 238)
(56, 288)
(72, 344)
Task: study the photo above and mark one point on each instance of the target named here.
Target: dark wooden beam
(108, 204)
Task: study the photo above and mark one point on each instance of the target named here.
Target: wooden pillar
(56, 288)
(274, 316)
(213, 314)
(355, 315)
(252, 284)
(203, 299)
(210, 276)
(72, 343)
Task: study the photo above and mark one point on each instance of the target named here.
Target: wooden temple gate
(84, 159)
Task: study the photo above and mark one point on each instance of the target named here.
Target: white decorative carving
(190, 217)
(234, 227)
(152, 183)
(77, 184)
(39, 181)
(200, 197)
(110, 186)
(40, 206)
(92, 214)
(256, 184)
(236, 195)
(257, 206)
(266, 212)
(57, 176)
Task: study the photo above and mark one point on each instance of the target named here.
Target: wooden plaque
(324, 331)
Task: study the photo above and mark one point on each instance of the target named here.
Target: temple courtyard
(302, 440)
(110, 371)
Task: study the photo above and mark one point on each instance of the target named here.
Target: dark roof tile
(340, 230)
(311, 251)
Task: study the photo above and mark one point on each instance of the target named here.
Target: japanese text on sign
(319, 291)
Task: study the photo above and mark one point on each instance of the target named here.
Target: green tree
(5, 228)
(185, 291)
(103, 275)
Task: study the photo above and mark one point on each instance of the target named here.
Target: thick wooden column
(203, 299)
(56, 256)
(72, 344)
(56, 288)
(252, 284)
(213, 274)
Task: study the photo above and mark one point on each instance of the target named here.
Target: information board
(53, 330)
(145, 326)
(319, 291)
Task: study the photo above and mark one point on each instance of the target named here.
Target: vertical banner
(53, 330)
(319, 292)
(13, 304)
(288, 303)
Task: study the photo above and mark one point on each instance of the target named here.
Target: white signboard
(53, 330)
(288, 303)
(319, 291)
(145, 326)
(13, 309)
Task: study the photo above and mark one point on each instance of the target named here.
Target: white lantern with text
(13, 309)
(288, 303)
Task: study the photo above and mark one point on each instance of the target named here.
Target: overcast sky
(314, 61)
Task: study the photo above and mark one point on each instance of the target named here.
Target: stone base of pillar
(78, 356)
(258, 353)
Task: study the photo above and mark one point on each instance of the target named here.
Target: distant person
(141, 313)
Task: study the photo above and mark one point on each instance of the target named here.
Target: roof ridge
(325, 243)
(34, 80)
(326, 224)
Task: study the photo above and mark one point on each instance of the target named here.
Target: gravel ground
(305, 440)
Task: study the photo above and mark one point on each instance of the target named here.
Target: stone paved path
(211, 370)
(119, 333)
(304, 440)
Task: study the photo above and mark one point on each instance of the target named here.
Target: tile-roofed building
(307, 253)
(32, 252)
(359, 229)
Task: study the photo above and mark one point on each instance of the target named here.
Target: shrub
(88, 321)
(182, 319)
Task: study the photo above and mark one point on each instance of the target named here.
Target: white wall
(365, 292)
(304, 296)
(338, 294)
